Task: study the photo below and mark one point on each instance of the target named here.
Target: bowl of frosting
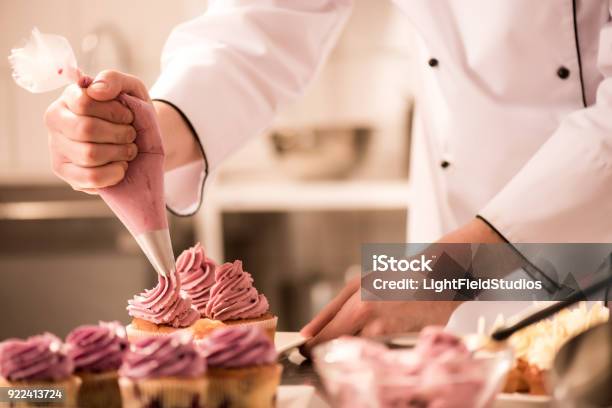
(440, 371)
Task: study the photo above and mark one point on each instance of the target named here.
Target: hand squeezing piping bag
(47, 62)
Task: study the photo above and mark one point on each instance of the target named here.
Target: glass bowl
(373, 376)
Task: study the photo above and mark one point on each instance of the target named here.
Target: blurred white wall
(369, 77)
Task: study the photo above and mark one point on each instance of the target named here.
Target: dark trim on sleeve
(531, 269)
(483, 219)
(577, 41)
(190, 125)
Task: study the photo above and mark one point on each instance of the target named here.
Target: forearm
(180, 144)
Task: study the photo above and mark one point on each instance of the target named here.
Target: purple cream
(162, 356)
(164, 304)
(197, 275)
(233, 295)
(97, 348)
(41, 357)
(235, 347)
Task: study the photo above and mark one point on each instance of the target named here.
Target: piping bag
(47, 62)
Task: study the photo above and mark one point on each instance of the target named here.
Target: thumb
(107, 85)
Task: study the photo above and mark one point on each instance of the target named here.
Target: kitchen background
(295, 204)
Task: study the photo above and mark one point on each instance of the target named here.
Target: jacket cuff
(184, 186)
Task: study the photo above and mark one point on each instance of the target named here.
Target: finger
(77, 100)
(330, 310)
(90, 191)
(107, 85)
(86, 154)
(81, 178)
(94, 130)
(346, 322)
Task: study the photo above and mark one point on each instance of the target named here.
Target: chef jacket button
(444, 164)
(432, 62)
(563, 72)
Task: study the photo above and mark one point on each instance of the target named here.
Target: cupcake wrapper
(99, 390)
(251, 387)
(163, 392)
(70, 387)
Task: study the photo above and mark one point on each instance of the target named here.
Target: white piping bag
(47, 62)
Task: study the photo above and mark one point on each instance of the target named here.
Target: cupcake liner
(250, 387)
(69, 386)
(167, 392)
(203, 327)
(99, 390)
(134, 333)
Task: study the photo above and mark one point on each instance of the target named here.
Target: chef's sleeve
(230, 70)
(564, 192)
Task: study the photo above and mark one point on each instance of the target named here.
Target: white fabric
(183, 187)
(231, 69)
(523, 150)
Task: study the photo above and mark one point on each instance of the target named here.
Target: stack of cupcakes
(200, 297)
(235, 366)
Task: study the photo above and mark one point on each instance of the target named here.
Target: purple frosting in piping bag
(163, 356)
(96, 349)
(235, 347)
(138, 199)
(41, 357)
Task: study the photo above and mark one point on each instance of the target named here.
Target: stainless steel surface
(299, 371)
(157, 247)
(324, 153)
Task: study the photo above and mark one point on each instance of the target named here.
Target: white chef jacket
(515, 112)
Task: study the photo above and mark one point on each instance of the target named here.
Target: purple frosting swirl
(233, 295)
(164, 304)
(96, 349)
(41, 357)
(197, 274)
(163, 356)
(238, 347)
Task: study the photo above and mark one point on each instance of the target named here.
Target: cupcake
(163, 372)
(234, 301)
(242, 368)
(97, 353)
(38, 362)
(162, 310)
(197, 275)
